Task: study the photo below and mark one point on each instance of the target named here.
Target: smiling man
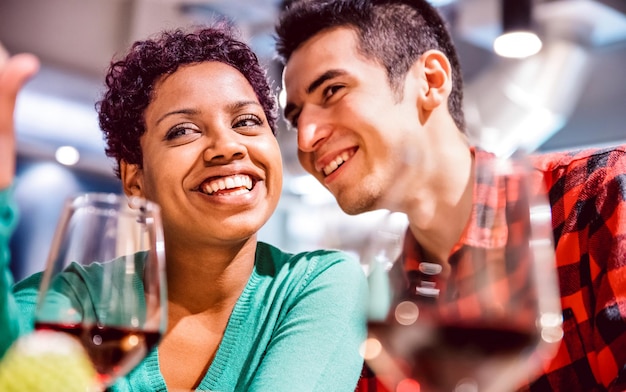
(374, 89)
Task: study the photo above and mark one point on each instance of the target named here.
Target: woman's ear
(132, 179)
(435, 68)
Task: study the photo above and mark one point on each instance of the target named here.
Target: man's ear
(434, 67)
(132, 179)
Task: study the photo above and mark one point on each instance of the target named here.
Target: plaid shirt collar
(486, 193)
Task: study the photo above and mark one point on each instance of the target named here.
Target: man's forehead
(328, 42)
(325, 50)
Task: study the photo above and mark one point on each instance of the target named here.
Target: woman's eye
(249, 120)
(181, 130)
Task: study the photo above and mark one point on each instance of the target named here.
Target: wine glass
(484, 320)
(104, 281)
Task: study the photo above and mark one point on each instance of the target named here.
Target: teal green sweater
(297, 326)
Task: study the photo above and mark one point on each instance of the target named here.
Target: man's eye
(293, 122)
(331, 90)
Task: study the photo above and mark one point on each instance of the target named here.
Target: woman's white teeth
(332, 166)
(227, 183)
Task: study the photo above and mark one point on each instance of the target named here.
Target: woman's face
(210, 159)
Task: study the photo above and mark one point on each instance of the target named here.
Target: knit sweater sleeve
(9, 327)
(315, 347)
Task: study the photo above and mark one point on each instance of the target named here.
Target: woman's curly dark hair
(130, 81)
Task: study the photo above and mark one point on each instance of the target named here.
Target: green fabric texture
(8, 308)
(297, 326)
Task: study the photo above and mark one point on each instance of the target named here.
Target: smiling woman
(189, 118)
(205, 117)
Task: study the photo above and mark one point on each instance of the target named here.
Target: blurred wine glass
(484, 320)
(104, 281)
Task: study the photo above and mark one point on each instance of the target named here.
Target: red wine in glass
(442, 358)
(104, 281)
(112, 350)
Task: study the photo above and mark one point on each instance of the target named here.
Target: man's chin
(353, 206)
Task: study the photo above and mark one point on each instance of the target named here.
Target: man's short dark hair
(394, 33)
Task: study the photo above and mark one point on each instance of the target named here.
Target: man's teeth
(232, 182)
(332, 166)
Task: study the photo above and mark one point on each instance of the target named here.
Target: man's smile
(335, 163)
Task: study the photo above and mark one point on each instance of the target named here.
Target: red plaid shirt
(587, 193)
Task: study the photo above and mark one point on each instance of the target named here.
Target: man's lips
(233, 185)
(336, 162)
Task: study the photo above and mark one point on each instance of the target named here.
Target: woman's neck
(209, 276)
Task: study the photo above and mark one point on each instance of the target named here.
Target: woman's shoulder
(325, 256)
(308, 263)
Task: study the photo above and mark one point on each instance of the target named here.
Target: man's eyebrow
(330, 74)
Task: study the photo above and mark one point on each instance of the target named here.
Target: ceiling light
(517, 40)
(517, 44)
(67, 155)
(517, 104)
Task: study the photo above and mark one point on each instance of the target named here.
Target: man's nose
(313, 129)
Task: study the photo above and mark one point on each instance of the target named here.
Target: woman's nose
(224, 145)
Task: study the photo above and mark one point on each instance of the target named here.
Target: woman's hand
(14, 72)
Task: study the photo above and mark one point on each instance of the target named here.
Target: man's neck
(439, 213)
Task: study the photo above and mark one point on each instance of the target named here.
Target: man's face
(352, 131)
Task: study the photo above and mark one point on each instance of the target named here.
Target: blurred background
(571, 94)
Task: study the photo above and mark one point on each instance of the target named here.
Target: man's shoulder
(590, 174)
(591, 158)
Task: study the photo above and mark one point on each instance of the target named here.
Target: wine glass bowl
(486, 318)
(104, 281)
